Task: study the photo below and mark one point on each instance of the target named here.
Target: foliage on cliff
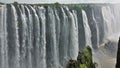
(56, 4)
(84, 60)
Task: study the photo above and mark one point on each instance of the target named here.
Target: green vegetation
(49, 4)
(84, 60)
(15, 3)
(57, 4)
(45, 4)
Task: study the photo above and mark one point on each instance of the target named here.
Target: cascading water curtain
(49, 36)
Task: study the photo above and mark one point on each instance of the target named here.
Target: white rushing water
(48, 37)
(87, 30)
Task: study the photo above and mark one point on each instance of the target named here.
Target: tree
(15, 3)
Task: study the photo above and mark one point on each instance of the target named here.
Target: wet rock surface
(118, 55)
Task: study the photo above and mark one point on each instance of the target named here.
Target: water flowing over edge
(48, 37)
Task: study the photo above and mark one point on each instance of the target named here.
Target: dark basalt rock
(73, 64)
(118, 55)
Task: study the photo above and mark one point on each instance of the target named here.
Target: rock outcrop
(84, 60)
(118, 55)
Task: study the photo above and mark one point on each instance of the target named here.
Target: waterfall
(13, 38)
(42, 55)
(64, 34)
(110, 17)
(3, 39)
(87, 30)
(33, 36)
(28, 39)
(51, 39)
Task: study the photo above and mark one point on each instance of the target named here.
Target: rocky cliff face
(118, 55)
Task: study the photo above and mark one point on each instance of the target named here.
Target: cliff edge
(118, 55)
